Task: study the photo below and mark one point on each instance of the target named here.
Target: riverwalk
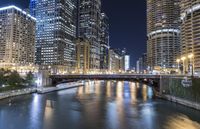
(41, 90)
(14, 93)
(64, 86)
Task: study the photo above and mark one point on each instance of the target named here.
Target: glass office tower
(55, 32)
(104, 61)
(89, 28)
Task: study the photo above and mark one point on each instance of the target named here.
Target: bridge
(113, 76)
(160, 81)
(148, 78)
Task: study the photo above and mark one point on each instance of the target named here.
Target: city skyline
(71, 64)
(126, 33)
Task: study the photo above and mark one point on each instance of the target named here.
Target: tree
(14, 79)
(29, 78)
(2, 77)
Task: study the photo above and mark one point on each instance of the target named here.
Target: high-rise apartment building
(89, 28)
(163, 29)
(82, 56)
(190, 33)
(104, 42)
(56, 32)
(17, 37)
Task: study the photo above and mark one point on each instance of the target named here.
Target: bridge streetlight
(178, 62)
(191, 59)
(183, 59)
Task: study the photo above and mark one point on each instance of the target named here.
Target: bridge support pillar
(43, 78)
(160, 86)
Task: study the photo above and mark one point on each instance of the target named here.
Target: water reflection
(128, 104)
(181, 122)
(133, 91)
(97, 105)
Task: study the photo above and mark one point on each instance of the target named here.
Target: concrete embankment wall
(44, 90)
(173, 90)
(41, 90)
(17, 93)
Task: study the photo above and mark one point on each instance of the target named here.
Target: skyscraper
(104, 42)
(141, 64)
(190, 33)
(82, 55)
(56, 32)
(127, 62)
(163, 29)
(17, 37)
(89, 28)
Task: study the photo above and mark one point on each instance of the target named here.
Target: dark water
(98, 105)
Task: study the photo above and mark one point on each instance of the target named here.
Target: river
(97, 105)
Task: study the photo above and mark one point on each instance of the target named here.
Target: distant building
(144, 62)
(127, 62)
(104, 42)
(56, 33)
(82, 56)
(163, 29)
(137, 66)
(17, 38)
(190, 33)
(115, 61)
(89, 28)
(141, 64)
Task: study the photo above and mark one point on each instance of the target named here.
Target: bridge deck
(115, 76)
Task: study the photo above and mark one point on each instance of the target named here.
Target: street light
(183, 59)
(178, 61)
(191, 56)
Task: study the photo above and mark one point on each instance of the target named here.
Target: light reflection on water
(97, 105)
(181, 122)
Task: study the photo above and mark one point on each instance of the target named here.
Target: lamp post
(183, 59)
(191, 58)
(178, 62)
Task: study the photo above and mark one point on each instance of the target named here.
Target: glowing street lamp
(178, 61)
(183, 59)
(191, 57)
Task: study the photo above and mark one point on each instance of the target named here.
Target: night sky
(127, 20)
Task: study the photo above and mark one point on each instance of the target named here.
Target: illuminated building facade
(89, 28)
(163, 29)
(104, 42)
(116, 61)
(127, 62)
(190, 32)
(56, 32)
(17, 38)
(141, 64)
(82, 56)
